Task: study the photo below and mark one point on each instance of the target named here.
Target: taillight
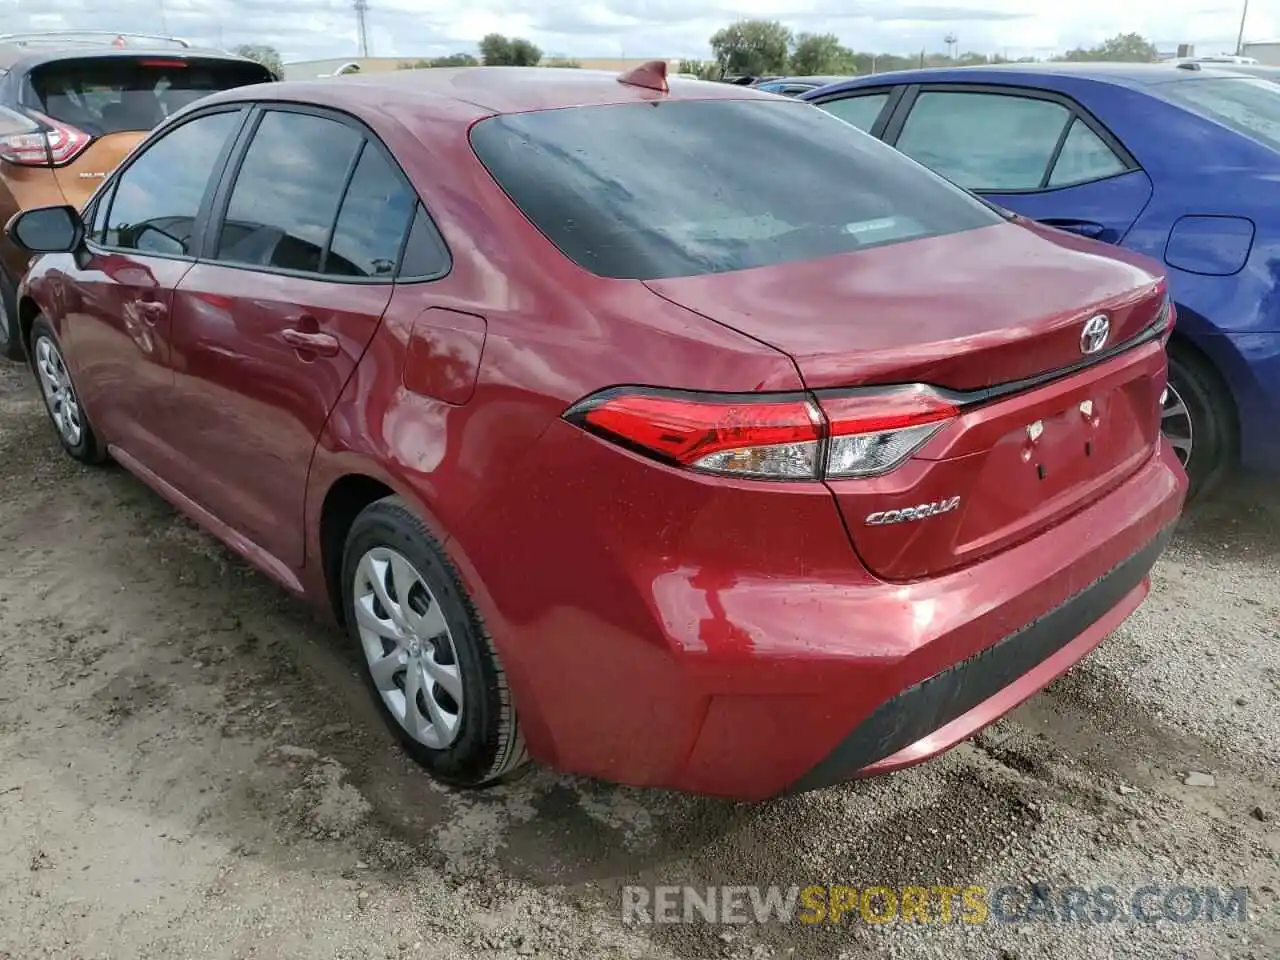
(778, 436)
(752, 436)
(55, 145)
(873, 431)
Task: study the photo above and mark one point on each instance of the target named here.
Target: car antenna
(651, 75)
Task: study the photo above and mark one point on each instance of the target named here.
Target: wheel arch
(28, 310)
(345, 497)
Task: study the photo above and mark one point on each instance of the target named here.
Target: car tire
(10, 334)
(415, 627)
(1198, 420)
(60, 398)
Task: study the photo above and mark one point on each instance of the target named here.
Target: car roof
(485, 90)
(1120, 74)
(810, 78)
(15, 56)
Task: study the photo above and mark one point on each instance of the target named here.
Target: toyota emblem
(1094, 335)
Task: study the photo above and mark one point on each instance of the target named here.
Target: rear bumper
(927, 665)
(935, 714)
(721, 637)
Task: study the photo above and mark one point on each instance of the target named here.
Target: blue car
(1182, 165)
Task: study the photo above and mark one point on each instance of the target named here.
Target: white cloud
(306, 29)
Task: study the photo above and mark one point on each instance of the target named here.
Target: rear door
(99, 108)
(1035, 152)
(301, 256)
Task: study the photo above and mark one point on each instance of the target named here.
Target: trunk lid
(964, 310)
(995, 318)
(82, 176)
(117, 99)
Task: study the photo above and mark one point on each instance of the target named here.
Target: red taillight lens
(780, 437)
(762, 437)
(874, 431)
(56, 145)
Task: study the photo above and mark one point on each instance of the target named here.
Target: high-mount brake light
(174, 64)
(764, 436)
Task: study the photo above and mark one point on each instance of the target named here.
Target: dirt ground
(189, 768)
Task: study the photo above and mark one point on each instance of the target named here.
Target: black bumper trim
(933, 703)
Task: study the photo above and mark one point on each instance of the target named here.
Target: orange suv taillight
(55, 145)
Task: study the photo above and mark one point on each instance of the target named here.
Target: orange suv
(72, 105)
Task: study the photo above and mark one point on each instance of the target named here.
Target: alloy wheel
(409, 647)
(59, 394)
(6, 330)
(1175, 423)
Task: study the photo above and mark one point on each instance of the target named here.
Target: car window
(984, 141)
(103, 95)
(425, 255)
(860, 111)
(660, 189)
(286, 193)
(159, 194)
(1245, 104)
(372, 221)
(1085, 156)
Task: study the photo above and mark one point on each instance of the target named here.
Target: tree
(819, 53)
(268, 56)
(455, 60)
(1122, 48)
(499, 51)
(452, 60)
(752, 47)
(702, 69)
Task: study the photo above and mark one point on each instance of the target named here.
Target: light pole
(1240, 36)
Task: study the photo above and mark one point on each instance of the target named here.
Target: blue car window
(859, 111)
(1246, 105)
(984, 141)
(1085, 156)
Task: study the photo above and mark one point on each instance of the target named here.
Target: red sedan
(683, 435)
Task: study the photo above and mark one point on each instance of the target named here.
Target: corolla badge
(1094, 335)
(907, 514)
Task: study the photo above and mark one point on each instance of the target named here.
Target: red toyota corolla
(689, 437)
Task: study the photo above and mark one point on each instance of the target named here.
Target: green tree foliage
(752, 47)
(452, 60)
(499, 51)
(266, 55)
(702, 69)
(821, 53)
(1122, 48)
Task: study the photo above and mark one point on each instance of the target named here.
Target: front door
(119, 329)
(270, 325)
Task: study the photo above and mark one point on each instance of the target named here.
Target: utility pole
(362, 8)
(1240, 36)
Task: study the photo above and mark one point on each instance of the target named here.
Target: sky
(313, 29)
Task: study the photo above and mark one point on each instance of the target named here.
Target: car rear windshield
(683, 188)
(1245, 104)
(116, 94)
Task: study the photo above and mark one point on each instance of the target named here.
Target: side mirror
(47, 229)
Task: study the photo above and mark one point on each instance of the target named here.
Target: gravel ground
(191, 769)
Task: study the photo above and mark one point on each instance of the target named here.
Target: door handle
(1085, 228)
(323, 344)
(153, 311)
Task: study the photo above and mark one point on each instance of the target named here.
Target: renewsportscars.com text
(972, 904)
